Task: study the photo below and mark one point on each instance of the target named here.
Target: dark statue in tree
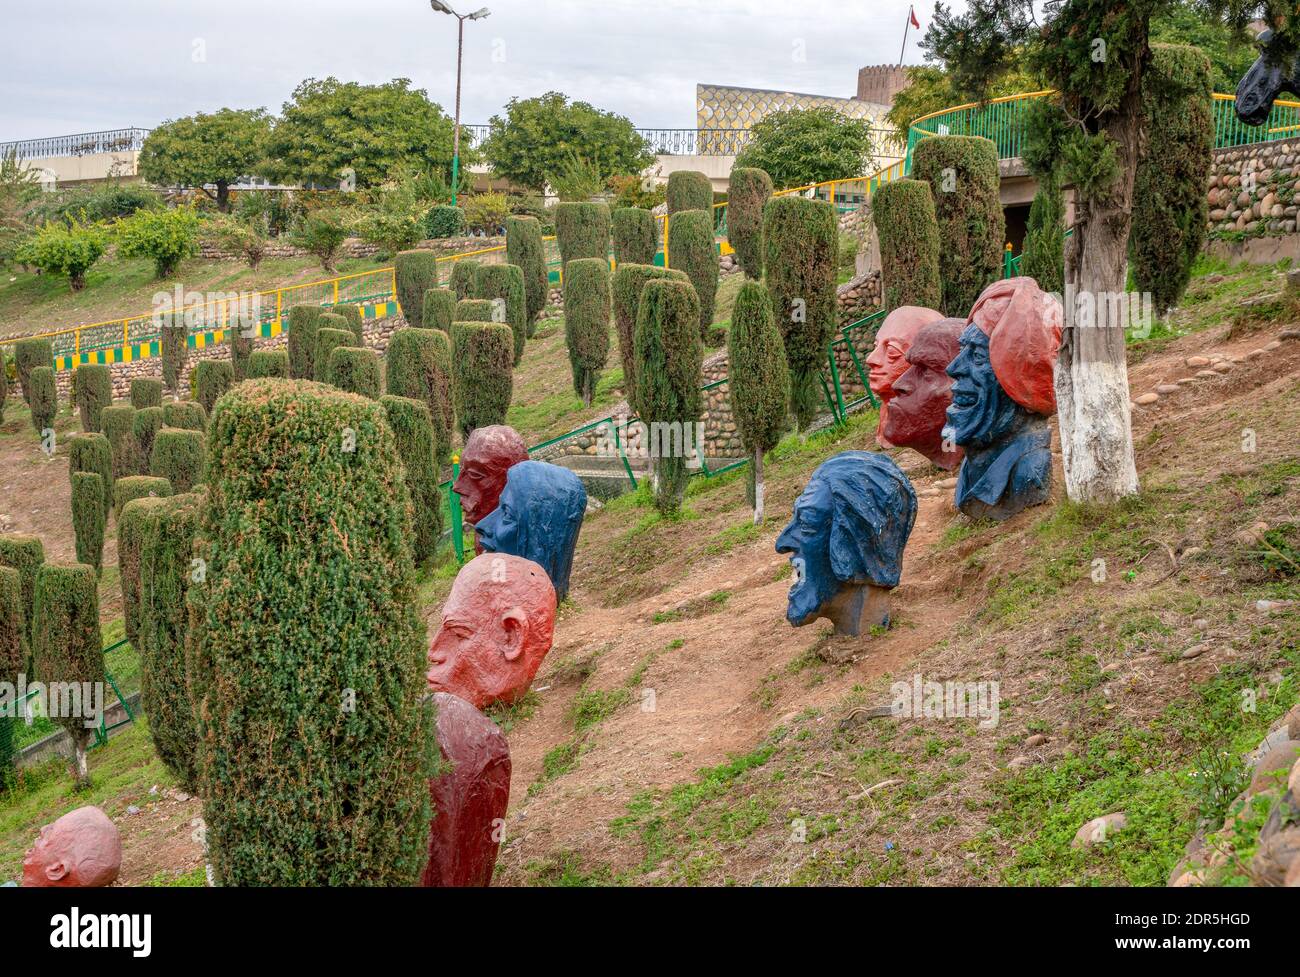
(1276, 70)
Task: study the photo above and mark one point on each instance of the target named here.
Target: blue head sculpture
(538, 518)
(846, 541)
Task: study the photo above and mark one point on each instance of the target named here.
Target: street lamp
(441, 8)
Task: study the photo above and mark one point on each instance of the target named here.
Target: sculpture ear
(515, 624)
(56, 871)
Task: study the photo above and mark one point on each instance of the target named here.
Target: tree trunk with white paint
(758, 487)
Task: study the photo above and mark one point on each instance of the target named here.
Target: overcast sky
(69, 66)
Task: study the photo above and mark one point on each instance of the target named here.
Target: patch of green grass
(564, 870)
(507, 717)
(194, 879)
(733, 536)
(594, 706)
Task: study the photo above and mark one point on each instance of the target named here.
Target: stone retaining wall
(1253, 189)
(354, 247)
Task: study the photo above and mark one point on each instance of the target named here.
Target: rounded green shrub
(179, 456)
(146, 392)
(302, 340)
(304, 633)
(134, 487)
(268, 363)
(88, 518)
(212, 378)
(25, 554)
(463, 273)
(963, 175)
(582, 231)
(328, 340)
(30, 354)
(669, 358)
(747, 196)
(93, 383)
(241, 340)
(44, 398)
(439, 309)
(757, 381)
(483, 381)
(526, 249)
(628, 282)
(189, 415)
(636, 239)
(503, 287)
(417, 272)
(144, 428)
(903, 212)
(444, 221)
(418, 367)
(587, 308)
(413, 429)
(691, 249)
(356, 321)
(174, 341)
(133, 525)
(357, 371)
(118, 425)
(801, 245)
(92, 453)
(689, 190)
(474, 310)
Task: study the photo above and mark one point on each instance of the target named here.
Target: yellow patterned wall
(728, 107)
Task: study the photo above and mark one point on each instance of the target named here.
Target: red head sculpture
(888, 361)
(489, 454)
(919, 410)
(1023, 324)
(82, 849)
(497, 626)
(469, 798)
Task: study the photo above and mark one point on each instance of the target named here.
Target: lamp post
(441, 8)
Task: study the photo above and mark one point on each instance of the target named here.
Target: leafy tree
(203, 148)
(321, 233)
(931, 89)
(394, 220)
(62, 249)
(167, 237)
(539, 137)
(20, 188)
(803, 146)
(757, 379)
(237, 237)
(1229, 53)
(1044, 256)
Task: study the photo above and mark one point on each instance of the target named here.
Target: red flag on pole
(911, 12)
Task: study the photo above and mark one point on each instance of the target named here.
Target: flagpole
(907, 27)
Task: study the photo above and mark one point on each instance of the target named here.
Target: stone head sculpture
(82, 849)
(1277, 69)
(846, 541)
(497, 626)
(538, 517)
(489, 453)
(469, 797)
(888, 360)
(1002, 396)
(919, 410)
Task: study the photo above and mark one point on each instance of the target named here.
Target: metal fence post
(453, 502)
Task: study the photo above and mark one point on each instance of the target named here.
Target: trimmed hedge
(28, 355)
(355, 320)
(463, 273)
(357, 371)
(757, 381)
(13, 659)
(474, 310)
(88, 518)
(144, 428)
(483, 381)
(4, 390)
(309, 575)
(175, 352)
(417, 447)
(92, 453)
(439, 309)
(418, 367)
(636, 239)
(93, 383)
(903, 212)
(689, 190)
(268, 363)
(328, 340)
(587, 308)
(963, 175)
(669, 358)
(67, 644)
(303, 321)
(26, 554)
(212, 378)
(189, 415)
(179, 456)
(241, 348)
(691, 249)
(628, 283)
(801, 244)
(146, 392)
(133, 526)
(165, 573)
(444, 221)
(138, 487)
(526, 249)
(44, 398)
(504, 284)
(748, 193)
(416, 272)
(582, 231)
(118, 424)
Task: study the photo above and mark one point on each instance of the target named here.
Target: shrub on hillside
(164, 236)
(144, 428)
(91, 453)
(757, 381)
(268, 363)
(444, 221)
(133, 524)
(93, 383)
(476, 310)
(28, 355)
(416, 445)
(88, 518)
(963, 175)
(59, 248)
(416, 272)
(187, 415)
(337, 523)
(118, 425)
(691, 249)
(240, 338)
(582, 231)
(801, 242)
(463, 273)
(908, 230)
(179, 456)
(357, 371)
(44, 398)
(587, 307)
(321, 234)
(25, 554)
(526, 249)
(175, 351)
(13, 660)
(636, 238)
(486, 213)
(211, 379)
(134, 487)
(67, 645)
(628, 283)
(419, 368)
(146, 392)
(303, 323)
(749, 192)
(483, 354)
(503, 287)
(439, 309)
(689, 190)
(327, 340)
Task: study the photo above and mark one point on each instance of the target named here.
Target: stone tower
(879, 83)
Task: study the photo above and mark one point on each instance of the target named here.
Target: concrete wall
(94, 166)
